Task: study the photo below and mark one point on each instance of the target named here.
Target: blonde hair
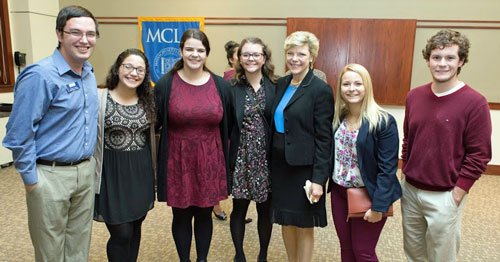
(300, 38)
(370, 110)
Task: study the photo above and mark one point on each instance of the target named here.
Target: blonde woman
(301, 148)
(365, 155)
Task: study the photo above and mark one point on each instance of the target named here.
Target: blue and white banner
(160, 38)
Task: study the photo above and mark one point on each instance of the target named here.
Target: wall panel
(383, 46)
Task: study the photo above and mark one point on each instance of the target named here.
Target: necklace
(352, 125)
(295, 83)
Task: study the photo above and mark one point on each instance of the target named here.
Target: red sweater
(447, 140)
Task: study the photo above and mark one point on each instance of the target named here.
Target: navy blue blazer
(378, 162)
(308, 125)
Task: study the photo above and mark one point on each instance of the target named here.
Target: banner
(160, 38)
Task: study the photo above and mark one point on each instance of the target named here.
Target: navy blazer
(238, 106)
(378, 162)
(308, 125)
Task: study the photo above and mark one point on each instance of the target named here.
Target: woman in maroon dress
(192, 107)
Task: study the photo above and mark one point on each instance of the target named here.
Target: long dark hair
(268, 67)
(188, 34)
(144, 90)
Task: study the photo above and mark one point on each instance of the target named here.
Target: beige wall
(422, 9)
(33, 27)
(32, 24)
(115, 38)
(480, 72)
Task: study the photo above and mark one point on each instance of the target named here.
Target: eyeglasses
(129, 68)
(79, 34)
(254, 55)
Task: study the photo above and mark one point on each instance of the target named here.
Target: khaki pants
(60, 212)
(431, 224)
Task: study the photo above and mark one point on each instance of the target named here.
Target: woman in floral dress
(252, 100)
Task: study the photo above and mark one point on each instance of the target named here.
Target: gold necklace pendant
(295, 84)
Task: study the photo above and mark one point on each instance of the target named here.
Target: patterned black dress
(127, 189)
(251, 172)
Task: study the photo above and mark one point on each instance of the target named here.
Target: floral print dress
(251, 172)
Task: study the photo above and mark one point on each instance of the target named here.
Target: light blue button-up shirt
(54, 115)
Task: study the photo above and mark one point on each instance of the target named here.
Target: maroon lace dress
(196, 174)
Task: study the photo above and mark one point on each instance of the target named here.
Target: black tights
(264, 227)
(182, 231)
(124, 241)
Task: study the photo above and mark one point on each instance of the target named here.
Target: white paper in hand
(308, 189)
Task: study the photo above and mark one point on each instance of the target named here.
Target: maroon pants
(358, 238)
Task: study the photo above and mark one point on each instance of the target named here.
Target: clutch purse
(358, 202)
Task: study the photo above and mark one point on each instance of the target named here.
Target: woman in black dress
(124, 186)
(252, 100)
(301, 150)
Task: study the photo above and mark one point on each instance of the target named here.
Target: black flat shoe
(222, 216)
(241, 259)
(248, 220)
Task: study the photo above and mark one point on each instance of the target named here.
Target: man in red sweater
(446, 147)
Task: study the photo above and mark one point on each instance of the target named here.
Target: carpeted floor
(480, 230)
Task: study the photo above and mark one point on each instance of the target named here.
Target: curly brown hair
(144, 91)
(445, 38)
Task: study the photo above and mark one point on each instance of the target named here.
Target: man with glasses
(52, 133)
